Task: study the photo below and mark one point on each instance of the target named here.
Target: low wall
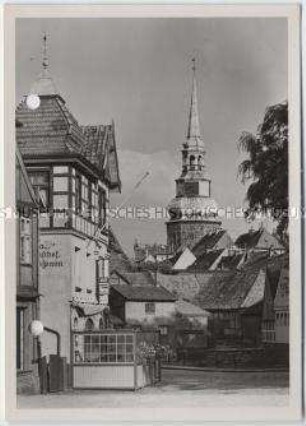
(264, 357)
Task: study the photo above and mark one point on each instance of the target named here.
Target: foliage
(267, 166)
(151, 351)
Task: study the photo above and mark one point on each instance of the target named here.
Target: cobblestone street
(179, 388)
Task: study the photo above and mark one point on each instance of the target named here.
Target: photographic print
(154, 160)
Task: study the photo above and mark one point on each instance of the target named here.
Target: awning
(88, 310)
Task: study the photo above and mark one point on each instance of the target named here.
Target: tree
(267, 166)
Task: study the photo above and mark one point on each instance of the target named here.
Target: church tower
(193, 213)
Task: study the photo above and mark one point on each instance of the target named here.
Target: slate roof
(207, 242)
(205, 261)
(144, 294)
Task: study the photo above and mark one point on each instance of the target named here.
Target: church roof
(193, 131)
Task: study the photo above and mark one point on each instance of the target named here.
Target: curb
(226, 370)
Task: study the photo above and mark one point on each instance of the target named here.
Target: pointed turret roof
(193, 132)
(44, 85)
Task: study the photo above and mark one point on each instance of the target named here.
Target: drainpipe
(58, 339)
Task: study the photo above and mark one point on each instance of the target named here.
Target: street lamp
(36, 328)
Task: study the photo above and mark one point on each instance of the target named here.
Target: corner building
(72, 169)
(193, 211)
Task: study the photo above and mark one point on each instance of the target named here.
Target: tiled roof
(118, 261)
(95, 148)
(261, 239)
(184, 285)
(138, 278)
(100, 150)
(231, 261)
(144, 294)
(189, 309)
(227, 290)
(49, 129)
(249, 239)
(24, 190)
(207, 242)
(205, 261)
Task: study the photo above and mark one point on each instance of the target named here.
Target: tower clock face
(205, 188)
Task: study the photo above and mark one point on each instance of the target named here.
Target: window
(104, 348)
(102, 206)
(19, 338)
(101, 268)
(25, 241)
(150, 308)
(192, 162)
(75, 324)
(89, 325)
(90, 200)
(78, 193)
(40, 181)
(163, 330)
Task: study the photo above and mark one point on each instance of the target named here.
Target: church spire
(193, 122)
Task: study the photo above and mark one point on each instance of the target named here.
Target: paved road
(179, 388)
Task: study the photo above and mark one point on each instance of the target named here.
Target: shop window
(25, 241)
(40, 181)
(105, 348)
(150, 308)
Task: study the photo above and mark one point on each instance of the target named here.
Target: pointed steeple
(193, 131)
(44, 85)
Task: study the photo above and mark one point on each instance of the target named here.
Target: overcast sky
(137, 72)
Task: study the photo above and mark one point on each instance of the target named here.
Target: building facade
(27, 280)
(193, 212)
(72, 169)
